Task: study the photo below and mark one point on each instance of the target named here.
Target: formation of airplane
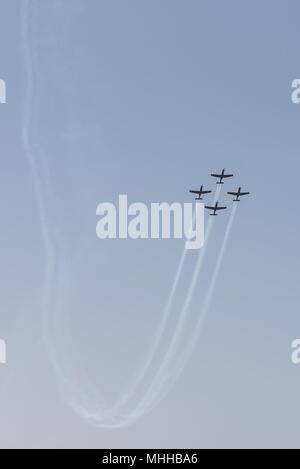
(200, 192)
(217, 207)
(238, 194)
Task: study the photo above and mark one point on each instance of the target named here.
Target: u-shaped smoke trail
(114, 413)
(142, 406)
(153, 401)
(171, 351)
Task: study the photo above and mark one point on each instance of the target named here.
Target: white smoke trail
(167, 311)
(39, 186)
(133, 415)
(40, 183)
(211, 288)
(185, 355)
(28, 146)
(110, 416)
(163, 323)
(176, 337)
(175, 341)
(115, 417)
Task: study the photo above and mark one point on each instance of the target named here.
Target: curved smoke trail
(111, 416)
(40, 183)
(26, 138)
(140, 409)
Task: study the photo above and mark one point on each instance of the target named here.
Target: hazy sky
(147, 98)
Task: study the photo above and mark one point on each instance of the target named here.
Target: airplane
(238, 194)
(221, 176)
(215, 208)
(200, 192)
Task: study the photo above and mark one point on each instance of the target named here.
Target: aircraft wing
(216, 175)
(233, 193)
(220, 208)
(244, 193)
(206, 192)
(227, 175)
(197, 192)
(210, 208)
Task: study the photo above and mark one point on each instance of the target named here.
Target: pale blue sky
(148, 98)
